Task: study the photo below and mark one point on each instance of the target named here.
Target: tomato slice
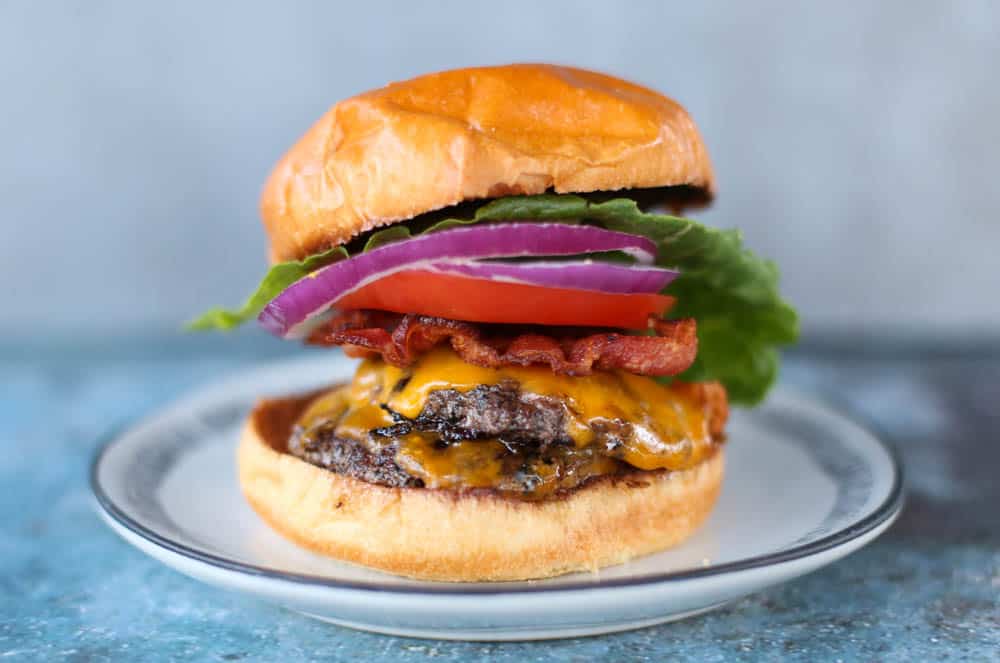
(473, 299)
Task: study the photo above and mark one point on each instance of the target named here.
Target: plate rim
(888, 509)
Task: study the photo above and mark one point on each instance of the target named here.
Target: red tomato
(481, 300)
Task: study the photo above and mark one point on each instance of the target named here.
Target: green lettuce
(733, 294)
(279, 277)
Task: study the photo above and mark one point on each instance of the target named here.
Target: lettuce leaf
(284, 274)
(279, 277)
(733, 294)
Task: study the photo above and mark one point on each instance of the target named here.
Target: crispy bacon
(400, 339)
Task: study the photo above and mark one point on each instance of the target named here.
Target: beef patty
(320, 446)
(492, 435)
(498, 412)
(527, 425)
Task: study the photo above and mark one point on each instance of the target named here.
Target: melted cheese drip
(666, 425)
(470, 464)
(659, 427)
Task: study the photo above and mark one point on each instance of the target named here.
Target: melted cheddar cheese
(655, 426)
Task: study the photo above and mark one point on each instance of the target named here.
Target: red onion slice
(302, 305)
(579, 275)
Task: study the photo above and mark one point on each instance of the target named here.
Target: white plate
(804, 487)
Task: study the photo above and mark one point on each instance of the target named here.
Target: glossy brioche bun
(461, 537)
(440, 139)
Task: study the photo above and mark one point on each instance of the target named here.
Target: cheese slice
(664, 427)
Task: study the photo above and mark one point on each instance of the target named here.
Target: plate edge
(888, 509)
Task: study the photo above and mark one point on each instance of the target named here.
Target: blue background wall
(856, 143)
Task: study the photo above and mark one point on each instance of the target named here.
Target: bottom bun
(464, 537)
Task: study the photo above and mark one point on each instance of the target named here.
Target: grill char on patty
(529, 426)
(536, 455)
(487, 412)
(351, 458)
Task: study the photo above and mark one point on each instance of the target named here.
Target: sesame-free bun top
(441, 139)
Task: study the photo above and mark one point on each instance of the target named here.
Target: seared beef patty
(487, 412)
(350, 457)
(491, 437)
(532, 428)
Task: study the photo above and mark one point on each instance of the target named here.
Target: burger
(548, 351)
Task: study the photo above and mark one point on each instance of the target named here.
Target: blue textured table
(927, 590)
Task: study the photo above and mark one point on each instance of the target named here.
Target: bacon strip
(400, 339)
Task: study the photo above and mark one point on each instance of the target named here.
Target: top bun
(441, 139)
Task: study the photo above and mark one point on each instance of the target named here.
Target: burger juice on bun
(547, 353)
